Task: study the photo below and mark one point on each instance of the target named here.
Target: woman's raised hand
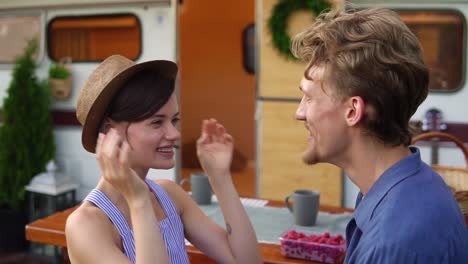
(112, 153)
(214, 148)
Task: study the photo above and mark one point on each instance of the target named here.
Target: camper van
(79, 34)
(215, 80)
(441, 29)
(229, 70)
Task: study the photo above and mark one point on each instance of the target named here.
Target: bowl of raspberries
(325, 247)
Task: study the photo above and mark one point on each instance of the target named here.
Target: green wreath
(279, 18)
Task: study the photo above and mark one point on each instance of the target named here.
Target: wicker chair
(455, 177)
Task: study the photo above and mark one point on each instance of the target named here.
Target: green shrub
(58, 71)
(26, 136)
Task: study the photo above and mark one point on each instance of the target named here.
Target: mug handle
(183, 181)
(286, 201)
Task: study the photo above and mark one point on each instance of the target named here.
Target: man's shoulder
(410, 211)
(421, 227)
(389, 250)
(423, 192)
(405, 240)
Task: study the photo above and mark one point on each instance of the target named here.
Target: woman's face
(153, 140)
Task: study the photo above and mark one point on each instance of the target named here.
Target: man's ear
(355, 110)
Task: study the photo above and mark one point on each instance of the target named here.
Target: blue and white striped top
(172, 228)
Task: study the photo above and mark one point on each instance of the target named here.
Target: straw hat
(102, 85)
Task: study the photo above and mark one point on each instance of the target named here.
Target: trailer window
(15, 32)
(93, 38)
(442, 35)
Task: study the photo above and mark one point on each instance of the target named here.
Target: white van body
(159, 41)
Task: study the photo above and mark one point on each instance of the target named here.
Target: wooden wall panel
(283, 139)
(279, 77)
(214, 83)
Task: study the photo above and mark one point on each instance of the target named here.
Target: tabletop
(51, 230)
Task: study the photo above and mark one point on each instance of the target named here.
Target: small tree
(26, 137)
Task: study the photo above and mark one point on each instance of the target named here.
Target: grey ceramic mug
(201, 188)
(306, 206)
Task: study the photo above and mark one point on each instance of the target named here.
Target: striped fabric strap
(163, 198)
(99, 199)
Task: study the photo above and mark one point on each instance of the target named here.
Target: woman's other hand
(214, 149)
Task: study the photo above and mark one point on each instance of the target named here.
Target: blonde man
(365, 78)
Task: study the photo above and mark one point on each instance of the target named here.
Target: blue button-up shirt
(409, 215)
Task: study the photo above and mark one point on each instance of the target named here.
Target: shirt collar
(391, 177)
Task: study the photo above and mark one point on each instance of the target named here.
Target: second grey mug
(306, 206)
(201, 188)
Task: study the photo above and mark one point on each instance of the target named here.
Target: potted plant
(60, 79)
(26, 145)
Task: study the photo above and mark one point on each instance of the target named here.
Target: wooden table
(51, 230)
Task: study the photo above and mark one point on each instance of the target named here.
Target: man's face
(324, 118)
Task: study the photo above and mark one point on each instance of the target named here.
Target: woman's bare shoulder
(91, 236)
(88, 220)
(86, 213)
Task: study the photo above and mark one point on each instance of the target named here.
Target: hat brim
(98, 109)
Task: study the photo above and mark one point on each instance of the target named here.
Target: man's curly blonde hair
(369, 53)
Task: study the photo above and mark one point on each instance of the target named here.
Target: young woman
(129, 115)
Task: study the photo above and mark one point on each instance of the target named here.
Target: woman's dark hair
(140, 97)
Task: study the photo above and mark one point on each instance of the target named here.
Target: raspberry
(319, 247)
